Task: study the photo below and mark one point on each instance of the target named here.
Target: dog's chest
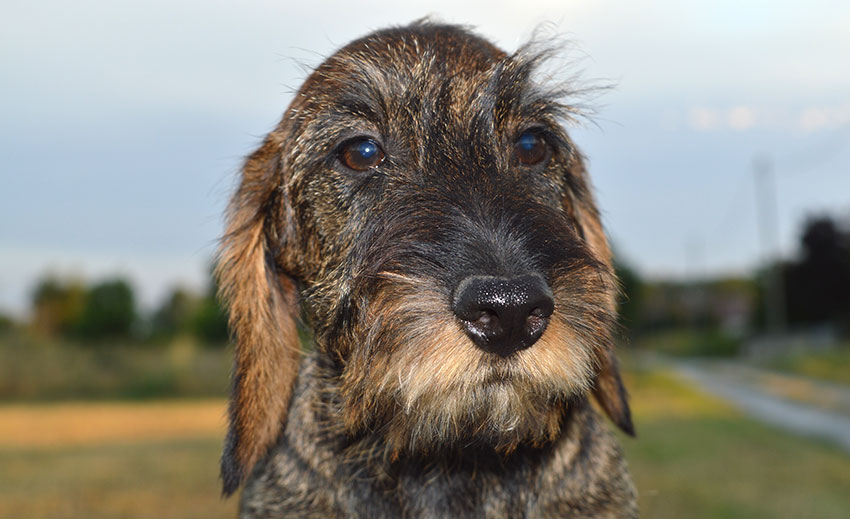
(412, 491)
(422, 492)
(312, 473)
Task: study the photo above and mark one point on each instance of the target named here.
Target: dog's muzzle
(503, 315)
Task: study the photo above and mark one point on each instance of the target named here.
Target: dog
(421, 213)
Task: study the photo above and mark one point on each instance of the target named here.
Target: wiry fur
(397, 413)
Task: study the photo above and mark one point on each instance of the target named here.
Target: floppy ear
(611, 394)
(263, 306)
(608, 387)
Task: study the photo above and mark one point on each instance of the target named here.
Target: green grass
(696, 457)
(831, 366)
(725, 468)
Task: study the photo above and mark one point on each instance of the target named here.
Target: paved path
(742, 386)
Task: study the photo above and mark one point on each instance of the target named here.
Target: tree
(7, 322)
(176, 315)
(109, 312)
(630, 298)
(57, 305)
(210, 321)
(184, 311)
(818, 285)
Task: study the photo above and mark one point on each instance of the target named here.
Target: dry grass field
(695, 457)
(112, 460)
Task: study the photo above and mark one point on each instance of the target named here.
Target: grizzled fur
(395, 412)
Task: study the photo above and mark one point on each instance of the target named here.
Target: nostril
(535, 325)
(535, 319)
(486, 318)
(540, 312)
(484, 327)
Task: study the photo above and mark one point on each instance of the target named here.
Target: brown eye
(530, 148)
(361, 154)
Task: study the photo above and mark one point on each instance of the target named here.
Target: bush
(34, 369)
(692, 343)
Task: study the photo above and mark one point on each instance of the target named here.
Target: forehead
(400, 65)
(453, 47)
(431, 77)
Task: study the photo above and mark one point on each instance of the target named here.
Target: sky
(123, 124)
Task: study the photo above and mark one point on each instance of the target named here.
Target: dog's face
(424, 204)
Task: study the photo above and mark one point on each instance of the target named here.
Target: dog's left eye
(361, 154)
(530, 148)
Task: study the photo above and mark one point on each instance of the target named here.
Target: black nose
(503, 315)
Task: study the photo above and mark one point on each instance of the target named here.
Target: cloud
(741, 118)
(816, 118)
(700, 118)
(737, 118)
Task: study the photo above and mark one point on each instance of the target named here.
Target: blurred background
(721, 159)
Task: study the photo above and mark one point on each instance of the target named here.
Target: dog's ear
(608, 387)
(610, 392)
(262, 303)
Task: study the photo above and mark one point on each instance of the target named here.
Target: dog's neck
(581, 471)
(316, 406)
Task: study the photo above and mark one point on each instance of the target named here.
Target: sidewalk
(790, 402)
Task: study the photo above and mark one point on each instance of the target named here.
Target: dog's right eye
(361, 154)
(530, 148)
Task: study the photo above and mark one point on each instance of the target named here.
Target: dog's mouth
(498, 370)
(498, 378)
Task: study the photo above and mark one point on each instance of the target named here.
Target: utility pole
(774, 293)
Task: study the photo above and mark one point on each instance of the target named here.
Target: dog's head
(423, 205)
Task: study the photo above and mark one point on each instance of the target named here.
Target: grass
(115, 460)
(92, 423)
(695, 457)
(831, 366)
(163, 479)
